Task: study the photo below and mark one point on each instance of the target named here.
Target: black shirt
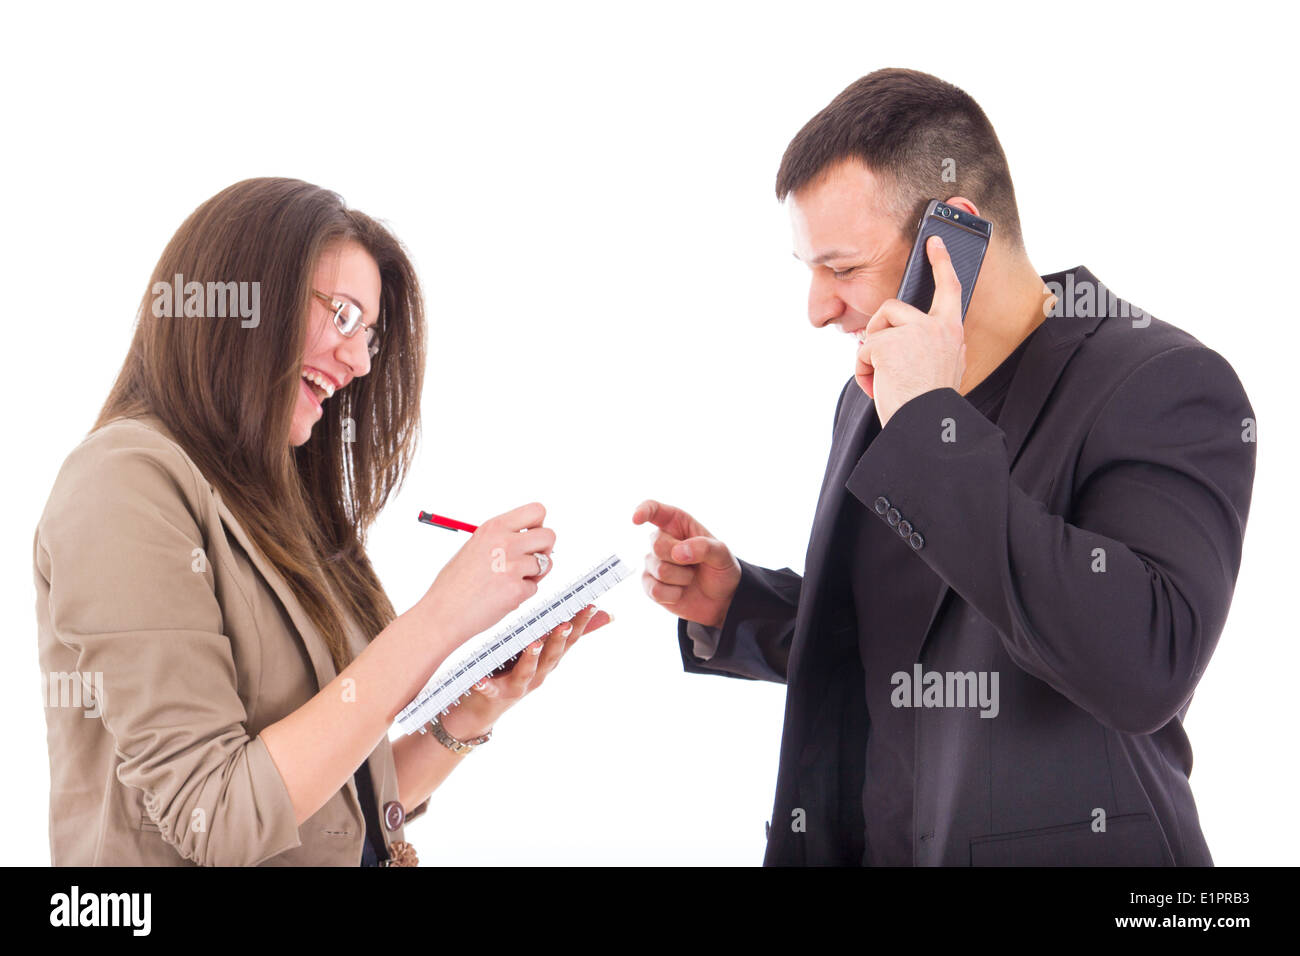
(373, 850)
(893, 592)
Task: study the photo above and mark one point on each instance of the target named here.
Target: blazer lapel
(858, 423)
(1044, 360)
(380, 758)
(322, 662)
(317, 651)
(1050, 349)
(380, 761)
(1040, 368)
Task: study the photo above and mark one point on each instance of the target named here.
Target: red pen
(451, 524)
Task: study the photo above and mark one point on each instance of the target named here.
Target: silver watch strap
(451, 743)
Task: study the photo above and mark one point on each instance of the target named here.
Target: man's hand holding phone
(905, 352)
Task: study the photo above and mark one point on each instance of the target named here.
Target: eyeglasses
(347, 319)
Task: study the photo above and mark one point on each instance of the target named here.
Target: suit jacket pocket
(1130, 839)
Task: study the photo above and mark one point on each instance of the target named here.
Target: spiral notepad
(445, 691)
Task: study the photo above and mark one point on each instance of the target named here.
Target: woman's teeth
(320, 381)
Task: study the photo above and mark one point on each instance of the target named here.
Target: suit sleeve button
(916, 541)
(892, 517)
(882, 505)
(904, 527)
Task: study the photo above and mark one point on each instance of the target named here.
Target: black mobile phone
(966, 237)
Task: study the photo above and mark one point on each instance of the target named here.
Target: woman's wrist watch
(451, 743)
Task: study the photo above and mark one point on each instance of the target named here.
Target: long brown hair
(226, 389)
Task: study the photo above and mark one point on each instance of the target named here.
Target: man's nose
(824, 304)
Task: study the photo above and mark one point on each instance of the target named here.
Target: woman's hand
(493, 573)
(491, 698)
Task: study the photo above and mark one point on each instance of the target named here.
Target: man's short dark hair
(926, 138)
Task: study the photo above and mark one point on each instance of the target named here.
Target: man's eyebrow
(827, 256)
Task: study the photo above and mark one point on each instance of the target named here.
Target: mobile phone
(966, 237)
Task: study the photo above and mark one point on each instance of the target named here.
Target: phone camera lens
(946, 212)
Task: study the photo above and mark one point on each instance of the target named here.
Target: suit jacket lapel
(1051, 347)
(857, 424)
(1040, 368)
(317, 651)
(322, 662)
(1044, 360)
(380, 760)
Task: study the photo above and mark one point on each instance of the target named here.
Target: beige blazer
(167, 642)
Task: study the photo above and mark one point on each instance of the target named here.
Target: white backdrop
(587, 191)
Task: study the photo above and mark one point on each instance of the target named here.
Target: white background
(587, 191)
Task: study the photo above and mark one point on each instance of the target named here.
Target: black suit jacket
(1123, 441)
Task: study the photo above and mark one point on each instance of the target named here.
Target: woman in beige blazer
(222, 662)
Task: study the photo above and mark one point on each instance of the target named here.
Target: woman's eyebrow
(344, 295)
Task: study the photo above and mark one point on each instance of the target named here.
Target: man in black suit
(1025, 545)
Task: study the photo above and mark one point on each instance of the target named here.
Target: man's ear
(963, 203)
